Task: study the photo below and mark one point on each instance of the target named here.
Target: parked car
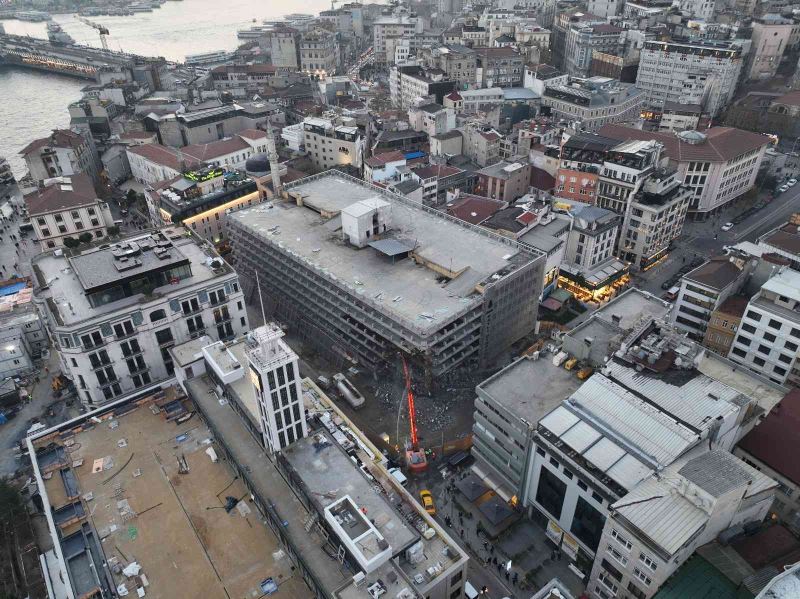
(727, 226)
(427, 501)
(783, 188)
(791, 182)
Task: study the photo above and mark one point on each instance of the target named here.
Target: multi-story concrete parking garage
(375, 274)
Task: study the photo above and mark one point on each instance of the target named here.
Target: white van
(469, 591)
(399, 476)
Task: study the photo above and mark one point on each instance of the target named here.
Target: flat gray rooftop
(404, 290)
(632, 306)
(188, 352)
(530, 389)
(329, 475)
(66, 295)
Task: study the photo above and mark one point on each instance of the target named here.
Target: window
(769, 337)
(140, 380)
(763, 349)
(739, 352)
(606, 581)
(779, 370)
(759, 361)
(753, 315)
(795, 333)
(642, 576)
(587, 524)
(621, 539)
(550, 493)
(130, 348)
(190, 306)
(582, 485)
(157, 315)
(749, 328)
(164, 336)
(774, 324)
(615, 554)
(540, 451)
(217, 297)
(123, 329)
(790, 346)
(744, 340)
(195, 324)
(91, 340)
(554, 463)
(636, 591)
(648, 561)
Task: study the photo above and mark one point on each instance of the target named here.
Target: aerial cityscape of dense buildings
(412, 300)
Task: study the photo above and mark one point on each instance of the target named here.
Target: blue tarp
(12, 289)
(412, 155)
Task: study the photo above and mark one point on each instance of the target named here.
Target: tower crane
(416, 459)
(101, 29)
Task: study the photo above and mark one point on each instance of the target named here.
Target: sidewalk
(523, 543)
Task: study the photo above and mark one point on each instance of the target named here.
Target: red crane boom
(412, 413)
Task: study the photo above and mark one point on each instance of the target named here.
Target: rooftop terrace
(125, 470)
(65, 282)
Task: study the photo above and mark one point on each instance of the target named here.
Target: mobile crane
(415, 456)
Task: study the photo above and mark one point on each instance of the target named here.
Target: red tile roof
(215, 149)
(773, 546)
(474, 209)
(775, 441)
(722, 143)
(384, 158)
(526, 218)
(74, 191)
(164, 155)
(59, 138)
(253, 134)
(790, 99)
(137, 135)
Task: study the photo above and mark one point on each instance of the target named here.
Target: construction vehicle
(416, 460)
(101, 29)
(585, 373)
(570, 364)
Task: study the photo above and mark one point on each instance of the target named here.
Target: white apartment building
(771, 36)
(275, 376)
(408, 83)
(62, 154)
(433, 119)
(592, 236)
(656, 527)
(717, 165)
(697, 9)
(114, 311)
(67, 207)
(768, 338)
(705, 289)
(697, 72)
(388, 31)
(331, 142)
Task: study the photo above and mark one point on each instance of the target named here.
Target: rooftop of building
(772, 441)
(66, 280)
(595, 92)
(785, 238)
(786, 283)
(164, 155)
(668, 514)
(784, 586)
(678, 107)
(384, 158)
(717, 144)
(63, 193)
(472, 208)
(697, 577)
(629, 309)
(125, 463)
(59, 138)
(417, 296)
(519, 390)
(435, 170)
(734, 306)
(718, 273)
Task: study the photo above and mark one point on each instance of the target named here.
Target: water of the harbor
(33, 103)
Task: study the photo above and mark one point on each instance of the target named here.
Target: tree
(85, 237)
(71, 242)
(113, 231)
(131, 197)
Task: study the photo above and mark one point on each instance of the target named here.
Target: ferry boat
(209, 58)
(32, 15)
(253, 32)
